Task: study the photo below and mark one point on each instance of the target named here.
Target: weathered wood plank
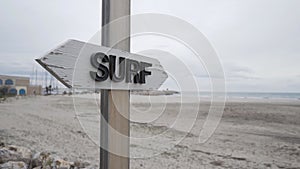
(70, 64)
(117, 100)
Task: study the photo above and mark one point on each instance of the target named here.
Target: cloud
(237, 72)
(259, 39)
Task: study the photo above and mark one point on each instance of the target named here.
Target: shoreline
(177, 98)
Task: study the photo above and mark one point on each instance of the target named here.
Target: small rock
(62, 164)
(12, 148)
(217, 163)
(38, 167)
(16, 157)
(268, 165)
(42, 160)
(47, 160)
(14, 165)
(24, 152)
(8, 155)
(80, 164)
(36, 161)
(14, 153)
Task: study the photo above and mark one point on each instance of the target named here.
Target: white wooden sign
(83, 65)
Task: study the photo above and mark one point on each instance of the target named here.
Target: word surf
(130, 70)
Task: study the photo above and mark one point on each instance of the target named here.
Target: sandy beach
(252, 133)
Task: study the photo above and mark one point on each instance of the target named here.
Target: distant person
(50, 89)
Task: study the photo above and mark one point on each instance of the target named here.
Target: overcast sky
(258, 41)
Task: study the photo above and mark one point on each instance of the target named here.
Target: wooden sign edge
(53, 73)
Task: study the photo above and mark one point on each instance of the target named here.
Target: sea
(251, 95)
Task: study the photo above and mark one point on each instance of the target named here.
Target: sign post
(111, 10)
(81, 65)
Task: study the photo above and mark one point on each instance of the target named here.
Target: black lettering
(143, 72)
(112, 68)
(102, 73)
(132, 68)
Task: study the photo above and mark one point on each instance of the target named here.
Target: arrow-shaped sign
(83, 65)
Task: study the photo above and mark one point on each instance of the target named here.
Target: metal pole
(111, 10)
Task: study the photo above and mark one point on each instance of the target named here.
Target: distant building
(19, 85)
